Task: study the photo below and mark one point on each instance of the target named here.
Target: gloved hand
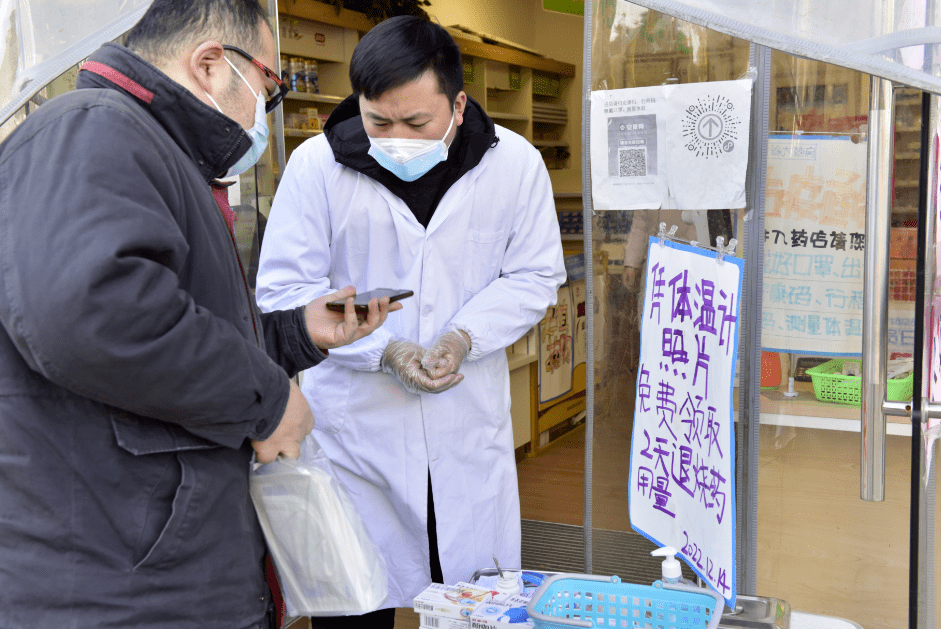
(447, 354)
(403, 360)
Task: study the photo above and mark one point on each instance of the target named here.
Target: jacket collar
(212, 140)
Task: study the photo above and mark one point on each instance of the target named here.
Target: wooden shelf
(326, 13)
(516, 361)
(549, 143)
(513, 57)
(503, 115)
(315, 98)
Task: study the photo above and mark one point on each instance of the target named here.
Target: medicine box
(450, 601)
(428, 621)
(509, 614)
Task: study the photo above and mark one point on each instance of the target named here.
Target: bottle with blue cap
(671, 569)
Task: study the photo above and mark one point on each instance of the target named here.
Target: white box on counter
(450, 601)
(430, 621)
(509, 613)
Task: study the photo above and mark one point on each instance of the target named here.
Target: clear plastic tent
(892, 39)
(41, 39)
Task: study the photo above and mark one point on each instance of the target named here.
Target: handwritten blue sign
(682, 481)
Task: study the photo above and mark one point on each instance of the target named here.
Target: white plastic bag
(326, 562)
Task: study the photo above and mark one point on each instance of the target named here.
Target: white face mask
(409, 159)
(258, 133)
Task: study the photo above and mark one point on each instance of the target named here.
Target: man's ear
(460, 104)
(208, 68)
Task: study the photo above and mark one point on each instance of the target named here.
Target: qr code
(632, 162)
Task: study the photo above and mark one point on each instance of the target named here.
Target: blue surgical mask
(258, 133)
(409, 159)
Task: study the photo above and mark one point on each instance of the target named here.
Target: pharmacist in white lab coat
(413, 187)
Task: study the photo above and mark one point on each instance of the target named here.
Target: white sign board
(682, 480)
(674, 146)
(815, 240)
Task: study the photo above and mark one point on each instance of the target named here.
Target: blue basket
(583, 600)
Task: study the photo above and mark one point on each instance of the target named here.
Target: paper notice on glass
(575, 270)
(682, 477)
(815, 240)
(555, 348)
(677, 146)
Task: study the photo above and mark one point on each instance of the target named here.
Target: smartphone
(361, 300)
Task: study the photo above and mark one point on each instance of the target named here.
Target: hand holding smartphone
(361, 301)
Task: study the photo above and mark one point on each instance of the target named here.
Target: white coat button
(426, 311)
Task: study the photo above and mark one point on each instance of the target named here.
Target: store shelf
(549, 143)
(513, 57)
(315, 98)
(327, 13)
(806, 411)
(503, 115)
(516, 361)
(906, 183)
(907, 155)
(300, 133)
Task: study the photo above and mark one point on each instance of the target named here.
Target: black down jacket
(133, 365)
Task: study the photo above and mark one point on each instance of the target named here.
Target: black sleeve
(288, 342)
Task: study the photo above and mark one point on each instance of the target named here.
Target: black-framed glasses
(282, 89)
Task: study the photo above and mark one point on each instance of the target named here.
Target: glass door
(805, 536)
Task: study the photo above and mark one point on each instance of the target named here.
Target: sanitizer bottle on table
(672, 571)
(508, 583)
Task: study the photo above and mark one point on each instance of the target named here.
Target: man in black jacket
(137, 376)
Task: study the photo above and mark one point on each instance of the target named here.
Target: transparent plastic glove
(403, 360)
(447, 354)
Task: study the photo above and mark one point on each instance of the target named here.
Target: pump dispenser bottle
(507, 583)
(672, 571)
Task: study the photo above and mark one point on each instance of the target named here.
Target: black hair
(398, 51)
(169, 26)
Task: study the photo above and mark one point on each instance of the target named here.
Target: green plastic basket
(830, 385)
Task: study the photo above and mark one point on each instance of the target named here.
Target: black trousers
(385, 618)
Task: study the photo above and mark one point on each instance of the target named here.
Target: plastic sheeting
(893, 39)
(41, 39)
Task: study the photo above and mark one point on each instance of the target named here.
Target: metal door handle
(876, 289)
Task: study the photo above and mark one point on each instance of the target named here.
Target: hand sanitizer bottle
(672, 571)
(508, 583)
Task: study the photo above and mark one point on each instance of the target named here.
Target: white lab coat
(489, 263)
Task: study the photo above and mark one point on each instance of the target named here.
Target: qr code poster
(676, 146)
(632, 146)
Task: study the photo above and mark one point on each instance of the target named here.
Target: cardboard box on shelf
(313, 118)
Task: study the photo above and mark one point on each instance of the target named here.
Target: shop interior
(526, 67)
(819, 547)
